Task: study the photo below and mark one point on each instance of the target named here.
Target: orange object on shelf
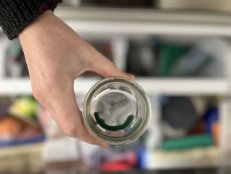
(10, 127)
(216, 132)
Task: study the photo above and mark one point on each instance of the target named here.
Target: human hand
(55, 57)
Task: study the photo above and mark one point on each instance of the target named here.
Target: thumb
(106, 68)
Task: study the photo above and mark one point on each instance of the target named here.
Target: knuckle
(40, 94)
(37, 94)
(42, 90)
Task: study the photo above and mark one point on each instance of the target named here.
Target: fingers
(131, 76)
(63, 108)
(106, 68)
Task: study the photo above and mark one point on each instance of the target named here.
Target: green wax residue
(104, 125)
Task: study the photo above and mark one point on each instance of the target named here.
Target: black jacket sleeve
(15, 15)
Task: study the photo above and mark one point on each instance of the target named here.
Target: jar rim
(116, 140)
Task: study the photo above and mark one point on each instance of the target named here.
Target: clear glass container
(116, 110)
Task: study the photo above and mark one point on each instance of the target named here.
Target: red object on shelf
(199, 128)
(126, 164)
(115, 166)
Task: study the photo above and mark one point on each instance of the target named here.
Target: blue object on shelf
(210, 117)
(142, 159)
(21, 141)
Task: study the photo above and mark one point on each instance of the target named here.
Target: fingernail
(104, 145)
(131, 76)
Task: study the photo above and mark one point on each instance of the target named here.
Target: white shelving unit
(135, 22)
(124, 23)
(151, 86)
(106, 23)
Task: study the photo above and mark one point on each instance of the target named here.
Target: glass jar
(116, 110)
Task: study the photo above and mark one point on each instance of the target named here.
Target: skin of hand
(56, 56)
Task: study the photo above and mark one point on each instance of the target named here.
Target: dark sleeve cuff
(15, 15)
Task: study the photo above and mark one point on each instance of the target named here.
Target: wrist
(37, 26)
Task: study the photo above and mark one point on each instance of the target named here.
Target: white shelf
(199, 158)
(151, 86)
(20, 158)
(15, 87)
(185, 86)
(132, 22)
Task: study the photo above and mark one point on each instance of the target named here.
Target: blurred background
(180, 52)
